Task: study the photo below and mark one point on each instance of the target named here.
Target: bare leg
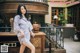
(30, 46)
(22, 48)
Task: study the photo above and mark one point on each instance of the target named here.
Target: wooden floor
(72, 46)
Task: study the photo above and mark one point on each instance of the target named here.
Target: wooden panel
(39, 42)
(32, 7)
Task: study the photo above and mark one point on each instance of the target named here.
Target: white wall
(48, 16)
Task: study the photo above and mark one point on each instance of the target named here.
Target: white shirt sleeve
(31, 27)
(16, 24)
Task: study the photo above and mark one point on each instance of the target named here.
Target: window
(59, 12)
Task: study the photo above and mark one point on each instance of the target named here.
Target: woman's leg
(22, 48)
(30, 46)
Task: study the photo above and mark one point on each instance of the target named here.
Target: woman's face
(23, 10)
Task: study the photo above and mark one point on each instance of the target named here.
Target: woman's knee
(29, 45)
(32, 47)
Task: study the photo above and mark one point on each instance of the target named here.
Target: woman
(23, 28)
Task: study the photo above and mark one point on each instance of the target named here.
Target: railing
(43, 1)
(55, 36)
(5, 29)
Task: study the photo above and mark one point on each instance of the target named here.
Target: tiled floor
(71, 46)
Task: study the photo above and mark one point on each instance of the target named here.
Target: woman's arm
(16, 24)
(32, 34)
(17, 28)
(30, 29)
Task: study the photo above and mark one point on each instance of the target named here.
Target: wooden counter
(38, 41)
(7, 34)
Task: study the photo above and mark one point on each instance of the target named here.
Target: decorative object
(55, 17)
(36, 27)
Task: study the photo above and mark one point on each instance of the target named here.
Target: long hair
(19, 11)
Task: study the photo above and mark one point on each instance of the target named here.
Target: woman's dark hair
(19, 11)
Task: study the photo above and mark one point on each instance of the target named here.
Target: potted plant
(62, 20)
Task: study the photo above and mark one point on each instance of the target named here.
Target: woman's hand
(32, 34)
(22, 34)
